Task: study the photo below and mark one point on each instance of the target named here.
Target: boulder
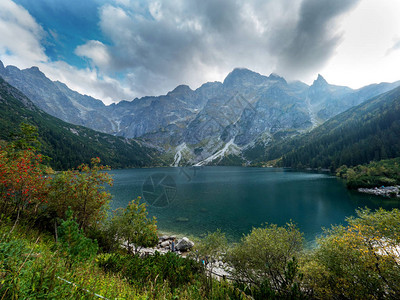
(163, 238)
(165, 244)
(184, 244)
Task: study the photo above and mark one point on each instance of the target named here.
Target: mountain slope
(56, 98)
(369, 131)
(244, 114)
(68, 145)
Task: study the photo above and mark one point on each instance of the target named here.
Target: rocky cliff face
(57, 99)
(204, 125)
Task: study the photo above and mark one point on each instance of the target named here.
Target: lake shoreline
(236, 199)
(387, 192)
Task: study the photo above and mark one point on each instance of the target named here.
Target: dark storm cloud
(165, 43)
(315, 37)
(182, 42)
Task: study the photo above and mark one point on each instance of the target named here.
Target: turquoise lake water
(193, 201)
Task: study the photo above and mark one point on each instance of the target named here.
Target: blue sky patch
(68, 24)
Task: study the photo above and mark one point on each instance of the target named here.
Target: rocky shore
(182, 247)
(384, 191)
(165, 244)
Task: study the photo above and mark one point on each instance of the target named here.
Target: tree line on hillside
(360, 142)
(68, 145)
(369, 132)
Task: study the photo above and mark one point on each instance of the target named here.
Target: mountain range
(228, 122)
(66, 144)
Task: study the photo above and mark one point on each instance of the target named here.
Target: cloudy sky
(122, 49)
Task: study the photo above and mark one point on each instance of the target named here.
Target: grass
(33, 267)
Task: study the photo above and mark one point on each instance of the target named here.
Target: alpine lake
(195, 200)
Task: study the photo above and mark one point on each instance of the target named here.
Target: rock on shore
(184, 244)
(385, 191)
(165, 245)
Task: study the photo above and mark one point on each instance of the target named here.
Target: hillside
(369, 131)
(68, 145)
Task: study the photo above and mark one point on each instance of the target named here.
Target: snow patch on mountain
(311, 112)
(229, 148)
(178, 154)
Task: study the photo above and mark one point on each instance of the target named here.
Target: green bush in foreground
(171, 268)
(72, 242)
(84, 190)
(31, 269)
(132, 226)
(211, 249)
(265, 261)
(359, 261)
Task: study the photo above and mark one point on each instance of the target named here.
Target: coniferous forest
(368, 132)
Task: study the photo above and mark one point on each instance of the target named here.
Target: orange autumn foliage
(23, 184)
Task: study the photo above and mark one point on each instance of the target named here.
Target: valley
(246, 114)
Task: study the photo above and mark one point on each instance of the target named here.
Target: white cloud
(87, 81)
(96, 51)
(362, 58)
(21, 36)
(21, 45)
(155, 10)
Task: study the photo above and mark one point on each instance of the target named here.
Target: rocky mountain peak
(36, 72)
(1, 66)
(12, 70)
(181, 89)
(320, 81)
(276, 77)
(243, 76)
(213, 84)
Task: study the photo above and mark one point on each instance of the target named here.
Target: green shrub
(265, 262)
(72, 242)
(104, 237)
(176, 270)
(359, 261)
(384, 172)
(132, 226)
(212, 248)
